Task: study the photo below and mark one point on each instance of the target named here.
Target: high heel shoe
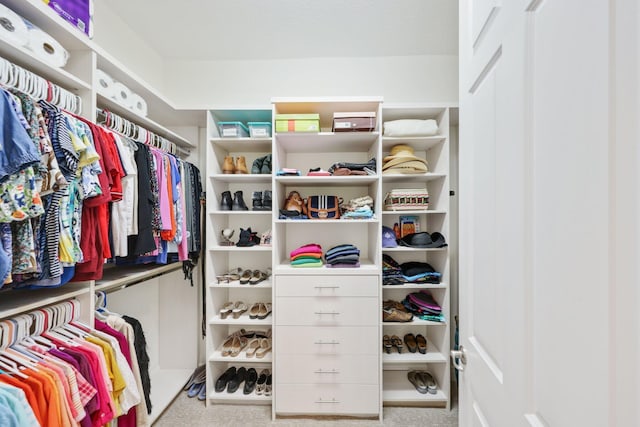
(261, 384)
(226, 310)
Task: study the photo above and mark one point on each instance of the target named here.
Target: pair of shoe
(236, 309)
(423, 381)
(253, 277)
(394, 311)
(233, 377)
(262, 165)
(416, 343)
(261, 200)
(258, 347)
(231, 276)
(263, 385)
(229, 166)
(196, 385)
(247, 238)
(389, 342)
(260, 310)
(227, 203)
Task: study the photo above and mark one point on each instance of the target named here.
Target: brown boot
(241, 165)
(228, 166)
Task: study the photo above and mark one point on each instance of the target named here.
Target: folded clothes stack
(343, 256)
(359, 208)
(288, 172)
(422, 305)
(350, 168)
(309, 255)
(420, 272)
(391, 271)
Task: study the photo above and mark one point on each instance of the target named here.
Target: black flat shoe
(238, 379)
(221, 382)
(250, 381)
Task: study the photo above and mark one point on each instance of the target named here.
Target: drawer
(330, 286)
(329, 311)
(327, 340)
(327, 369)
(327, 399)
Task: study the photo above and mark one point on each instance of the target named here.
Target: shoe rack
(227, 190)
(398, 367)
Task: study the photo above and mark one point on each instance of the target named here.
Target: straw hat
(401, 159)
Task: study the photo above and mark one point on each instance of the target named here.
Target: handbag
(323, 207)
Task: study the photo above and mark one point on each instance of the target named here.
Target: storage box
(406, 199)
(297, 122)
(233, 130)
(354, 122)
(259, 129)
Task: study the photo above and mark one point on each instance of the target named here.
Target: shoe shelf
(217, 356)
(239, 397)
(398, 389)
(340, 142)
(247, 178)
(412, 286)
(256, 248)
(237, 284)
(403, 358)
(242, 320)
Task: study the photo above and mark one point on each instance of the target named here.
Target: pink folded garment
(311, 248)
(308, 255)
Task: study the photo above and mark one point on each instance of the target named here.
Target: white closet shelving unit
(160, 294)
(397, 390)
(221, 259)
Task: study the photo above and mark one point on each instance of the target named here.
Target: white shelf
(415, 212)
(414, 177)
(111, 105)
(407, 249)
(14, 302)
(241, 358)
(239, 397)
(415, 322)
(236, 284)
(366, 267)
(397, 388)
(256, 248)
(242, 320)
(326, 221)
(241, 178)
(259, 213)
(326, 142)
(433, 355)
(338, 181)
(416, 286)
(419, 143)
(165, 386)
(243, 145)
(122, 276)
(27, 60)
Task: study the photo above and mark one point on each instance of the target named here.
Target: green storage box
(297, 122)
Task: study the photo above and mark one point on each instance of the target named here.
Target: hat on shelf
(388, 237)
(424, 240)
(401, 159)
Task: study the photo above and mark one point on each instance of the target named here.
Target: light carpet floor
(193, 413)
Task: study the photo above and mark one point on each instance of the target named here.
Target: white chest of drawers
(326, 342)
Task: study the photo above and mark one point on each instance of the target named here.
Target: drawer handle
(333, 313)
(327, 287)
(327, 342)
(333, 400)
(321, 371)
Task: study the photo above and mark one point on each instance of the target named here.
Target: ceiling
(279, 29)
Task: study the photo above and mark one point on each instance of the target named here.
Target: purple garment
(163, 193)
(87, 372)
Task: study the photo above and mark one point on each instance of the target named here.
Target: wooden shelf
(14, 302)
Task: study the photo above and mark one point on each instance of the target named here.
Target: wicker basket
(407, 199)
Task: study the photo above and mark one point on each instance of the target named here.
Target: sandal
(265, 347)
(246, 276)
(239, 343)
(261, 384)
(252, 347)
(254, 310)
(226, 310)
(386, 343)
(229, 277)
(238, 309)
(256, 277)
(265, 310)
(397, 343)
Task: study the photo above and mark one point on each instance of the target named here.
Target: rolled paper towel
(106, 84)
(139, 105)
(13, 29)
(123, 95)
(47, 48)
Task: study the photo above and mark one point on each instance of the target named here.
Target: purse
(323, 207)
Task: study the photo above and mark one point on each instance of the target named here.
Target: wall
(122, 42)
(415, 79)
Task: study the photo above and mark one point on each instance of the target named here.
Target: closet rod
(136, 132)
(16, 77)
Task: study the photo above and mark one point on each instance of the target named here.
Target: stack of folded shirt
(420, 272)
(422, 305)
(288, 172)
(309, 255)
(347, 256)
(391, 271)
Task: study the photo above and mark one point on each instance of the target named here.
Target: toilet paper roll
(123, 95)
(106, 84)
(13, 29)
(47, 48)
(139, 105)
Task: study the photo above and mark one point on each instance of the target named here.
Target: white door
(538, 231)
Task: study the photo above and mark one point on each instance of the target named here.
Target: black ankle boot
(256, 167)
(266, 165)
(266, 200)
(238, 202)
(226, 202)
(246, 238)
(257, 201)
